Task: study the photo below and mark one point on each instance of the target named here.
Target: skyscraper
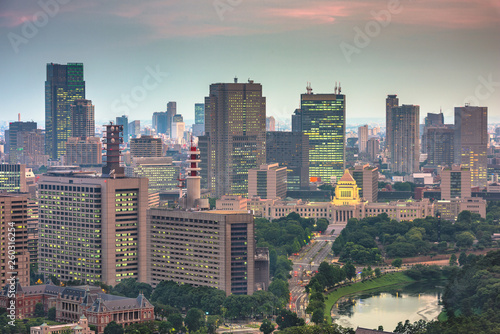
(373, 148)
(270, 123)
(268, 181)
(235, 136)
(471, 139)
(431, 120)
(290, 149)
(455, 182)
(82, 119)
(362, 138)
(63, 86)
(93, 228)
(145, 146)
(440, 145)
(199, 113)
(390, 102)
(366, 178)
(323, 121)
(160, 122)
(16, 130)
(405, 151)
(171, 111)
(123, 121)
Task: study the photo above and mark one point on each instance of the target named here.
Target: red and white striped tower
(193, 177)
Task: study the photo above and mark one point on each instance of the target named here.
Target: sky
(138, 55)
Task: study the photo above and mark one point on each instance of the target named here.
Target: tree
(462, 259)
(318, 317)
(465, 239)
(453, 259)
(39, 311)
(266, 327)
(194, 319)
(350, 270)
(113, 328)
(51, 315)
(287, 319)
(279, 288)
(397, 263)
(165, 327)
(378, 273)
(176, 320)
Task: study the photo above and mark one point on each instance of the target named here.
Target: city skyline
(440, 54)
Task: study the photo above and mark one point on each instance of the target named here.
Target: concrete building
(455, 182)
(270, 123)
(231, 203)
(14, 138)
(405, 139)
(84, 151)
(366, 178)
(134, 128)
(439, 145)
(390, 102)
(269, 181)
(80, 327)
(63, 86)
(123, 121)
(82, 119)
(373, 148)
(14, 239)
(31, 150)
(323, 121)
(13, 178)
(362, 138)
(431, 120)
(199, 113)
(209, 248)
(471, 140)
(235, 136)
(145, 146)
(291, 150)
(93, 228)
(33, 227)
(160, 172)
(450, 209)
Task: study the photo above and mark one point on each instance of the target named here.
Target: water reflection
(388, 306)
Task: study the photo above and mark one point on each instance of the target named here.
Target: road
(306, 262)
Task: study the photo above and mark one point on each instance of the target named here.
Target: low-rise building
(80, 327)
(231, 203)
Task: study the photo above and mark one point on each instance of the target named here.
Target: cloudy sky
(139, 55)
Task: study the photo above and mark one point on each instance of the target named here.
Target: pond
(390, 305)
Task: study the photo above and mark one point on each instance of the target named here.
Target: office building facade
(455, 182)
(123, 121)
(82, 119)
(268, 181)
(366, 178)
(13, 178)
(145, 146)
(362, 138)
(439, 141)
(323, 121)
(405, 139)
(160, 172)
(84, 151)
(63, 86)
(270, 123)
(199, 113)
(235, 135)
(291, 150)
(390, 102)
(471, 140)
(373, 148)
(17, 130)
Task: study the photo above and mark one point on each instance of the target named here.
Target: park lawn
(385, 280)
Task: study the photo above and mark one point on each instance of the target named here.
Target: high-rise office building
(123, 121)
(235, 136)
(13, 178)
(145, 146)
(84, 151)
(63, 86)
(455, 182)
(134, 128)
(160, 172)
(373, 148)
(16, 147)
(160, 122)
(93, 228)
(440, 145)
(291, 150)
(270, 123)
(362, 138)
(404, 138)
(471, 140)
(431, 120)
(323, 121)
(199, 113)
(14, 239)
(82, 119)
(171, 111)
(390, 102)
(267, 182)
(297, 121)
(31, 150)
(366, 178)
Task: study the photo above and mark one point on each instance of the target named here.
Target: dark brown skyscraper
(390, 102)
(404, 138)
(82, 119)
(235, 140)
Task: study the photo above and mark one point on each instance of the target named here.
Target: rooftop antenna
(340, 88)
(335, 89)
(308, 88)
